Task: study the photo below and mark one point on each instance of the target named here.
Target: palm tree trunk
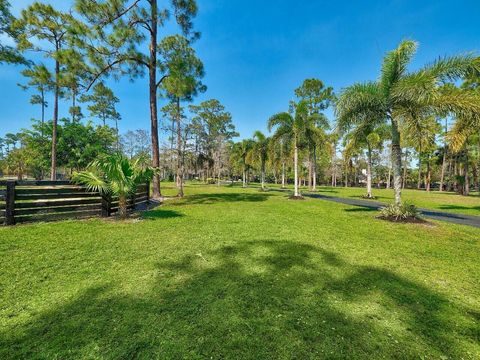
(122, 206)
(396, 161)
(405, 169)
(244, 178)
(283, 175)
(428, 175)
(152, 72)
(369, 172)
(444, 160)
(295, 164)
(466, 191)
(314, 179)
(419, 181)
(263, 175)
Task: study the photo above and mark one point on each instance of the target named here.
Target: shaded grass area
(228, 273)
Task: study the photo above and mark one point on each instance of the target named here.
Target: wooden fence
(31, 201)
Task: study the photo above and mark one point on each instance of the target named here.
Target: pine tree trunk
(396, 161)
(152, 72)
(53, 169)
(310, 171)
(179, 153)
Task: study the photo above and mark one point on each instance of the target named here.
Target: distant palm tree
(364, 136)
(398, 92)
(259, 150)
(291, 127)
(240, 152)
(116, 175)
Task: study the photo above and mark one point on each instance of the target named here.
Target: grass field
(442, 201)
(228, 273)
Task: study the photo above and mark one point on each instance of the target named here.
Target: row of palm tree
(403, 99)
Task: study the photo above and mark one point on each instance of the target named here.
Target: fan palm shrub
(398, 93)
(116, 175)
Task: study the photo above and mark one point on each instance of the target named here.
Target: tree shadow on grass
(361, 209)
(253, 300)
(212, 198)
(161, 214)
(459, 207)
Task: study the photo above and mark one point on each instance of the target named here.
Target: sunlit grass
(228, 273)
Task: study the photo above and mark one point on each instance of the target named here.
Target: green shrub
(404, 211)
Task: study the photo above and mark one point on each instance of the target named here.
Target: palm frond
(92, 181)
(395, 63)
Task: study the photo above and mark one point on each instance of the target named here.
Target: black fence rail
(32, 201)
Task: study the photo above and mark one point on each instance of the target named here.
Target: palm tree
(116, 175)
(315, 136)
(420, 133)
(398, 93)
(292, 128)
(259, 150)
(240, 153)
(364, 136)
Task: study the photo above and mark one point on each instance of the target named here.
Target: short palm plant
(116, 175)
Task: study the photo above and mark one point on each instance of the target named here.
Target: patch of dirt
(293, 197)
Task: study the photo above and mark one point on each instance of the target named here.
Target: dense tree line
(410, 128)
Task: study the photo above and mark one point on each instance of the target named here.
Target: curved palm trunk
(369, 172)
(295, 162)
(396, 161)
(122, 206)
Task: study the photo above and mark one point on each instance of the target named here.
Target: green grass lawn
(442, 201)
(229, 273)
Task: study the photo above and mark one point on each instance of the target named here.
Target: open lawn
(442, 201)
(228, 273)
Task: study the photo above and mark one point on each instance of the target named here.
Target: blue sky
(256, 52)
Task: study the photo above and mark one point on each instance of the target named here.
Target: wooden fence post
(148, 192)
(10, 203)
(106, 205)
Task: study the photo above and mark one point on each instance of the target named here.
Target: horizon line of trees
(410, 128)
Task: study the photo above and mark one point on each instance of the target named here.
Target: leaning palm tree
(292, 128)
(115, 175)
(398, 92)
